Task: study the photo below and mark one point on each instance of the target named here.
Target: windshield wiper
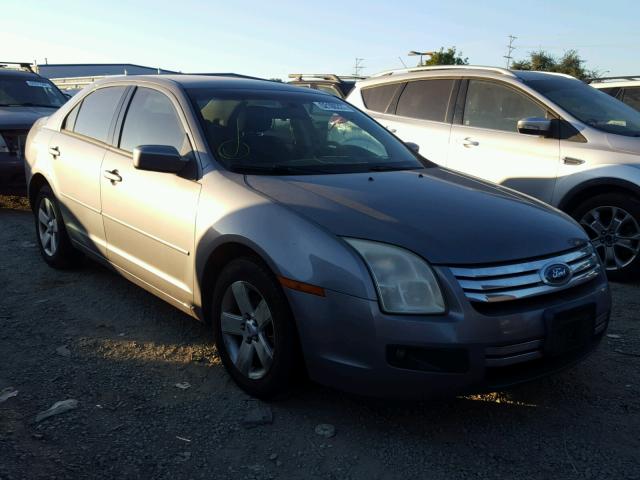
(28, 105)
(391, 168)
(276, 169)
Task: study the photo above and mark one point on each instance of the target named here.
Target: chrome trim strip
(512, 349)
(503, 362)
(515, 268)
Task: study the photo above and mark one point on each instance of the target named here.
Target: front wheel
(612, 222)
(254, 329)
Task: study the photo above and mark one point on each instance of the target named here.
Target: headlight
(3, 145)
(405, 282)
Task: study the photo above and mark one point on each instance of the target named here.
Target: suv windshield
(29, 92)
(589, 105)
(283, 133)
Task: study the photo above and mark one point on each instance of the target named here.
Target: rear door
(423, 116)
(77, 151)
(486, 142)
(149, 217)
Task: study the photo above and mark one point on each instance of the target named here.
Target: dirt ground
(91, 336)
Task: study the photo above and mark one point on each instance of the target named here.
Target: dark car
(340, 86)
(25, 96)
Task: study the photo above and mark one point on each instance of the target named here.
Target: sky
(272, 38)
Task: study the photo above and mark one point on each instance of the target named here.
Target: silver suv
(545, 134)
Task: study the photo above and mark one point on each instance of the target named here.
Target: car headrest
(259, 119)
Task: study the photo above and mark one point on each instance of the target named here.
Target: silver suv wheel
(615, 235)
(247, 329)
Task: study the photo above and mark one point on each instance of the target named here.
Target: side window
(426, 99)
(498, 107)
(152, 120)
(379, 98)
(632, 97)
(70, 121)
(613, 91)
(96, 113)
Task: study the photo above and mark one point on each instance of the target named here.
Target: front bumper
(12, 170)
(351, 345)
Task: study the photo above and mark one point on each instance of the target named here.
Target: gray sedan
(312, 239)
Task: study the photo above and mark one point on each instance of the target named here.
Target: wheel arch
(590, 188)
(35, 184)
(213, 261)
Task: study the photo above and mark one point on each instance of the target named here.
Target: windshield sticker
(31, 83)
(333, 106)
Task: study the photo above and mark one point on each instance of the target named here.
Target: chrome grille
(514, 281)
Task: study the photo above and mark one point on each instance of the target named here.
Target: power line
(358, 66)
(510, 49)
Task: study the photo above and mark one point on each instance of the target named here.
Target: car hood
(446, 217)
(624, 144)
(22, 117)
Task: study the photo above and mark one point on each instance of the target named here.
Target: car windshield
(589, 105)
(286, 133)
(29, 92)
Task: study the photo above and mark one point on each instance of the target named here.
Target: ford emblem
(556, 274)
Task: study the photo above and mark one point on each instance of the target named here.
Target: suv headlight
(405, 282)
(3, 145)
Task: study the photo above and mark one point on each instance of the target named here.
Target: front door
(149, 217)
(487, 143)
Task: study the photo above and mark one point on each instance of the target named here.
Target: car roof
(203, 81)
(10, 72)
(459, 71)
(616, 84)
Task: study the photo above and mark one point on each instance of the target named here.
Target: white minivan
(545, 134)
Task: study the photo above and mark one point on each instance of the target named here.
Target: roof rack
(502, 71)
(21, 66)
(610, 79)
(323, 76)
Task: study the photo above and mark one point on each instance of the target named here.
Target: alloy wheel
(247, 329)
(48, 227)
(615, 235)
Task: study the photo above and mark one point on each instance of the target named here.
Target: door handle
(572, 161)
(113, 176)
(391, 129)
(54, 152)
(467, 142)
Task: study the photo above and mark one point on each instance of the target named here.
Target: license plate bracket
(569, 329)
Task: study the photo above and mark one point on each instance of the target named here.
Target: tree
(447, 57)
(570, 63)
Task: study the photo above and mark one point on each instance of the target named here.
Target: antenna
(402, 62)
(358, 66)
(510, 48)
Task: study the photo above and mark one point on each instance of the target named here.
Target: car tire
(254, 329)
(612, 221)
(51, 233)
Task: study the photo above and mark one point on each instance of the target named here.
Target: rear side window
(426, 99)
(152, 120)
(632, 97)
(70, 121)
(96, 113)
(498, 107)
(613, 91)
(378, 99)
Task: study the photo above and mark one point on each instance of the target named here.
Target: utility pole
(358, 66)
(510, 48)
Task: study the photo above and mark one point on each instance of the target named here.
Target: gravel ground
(91, 336)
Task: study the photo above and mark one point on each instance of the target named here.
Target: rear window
(378, 99)
(96, 113)
(426, 99)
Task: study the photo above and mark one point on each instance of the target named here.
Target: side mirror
(414, 147)
(535, 126)
(158, 158)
